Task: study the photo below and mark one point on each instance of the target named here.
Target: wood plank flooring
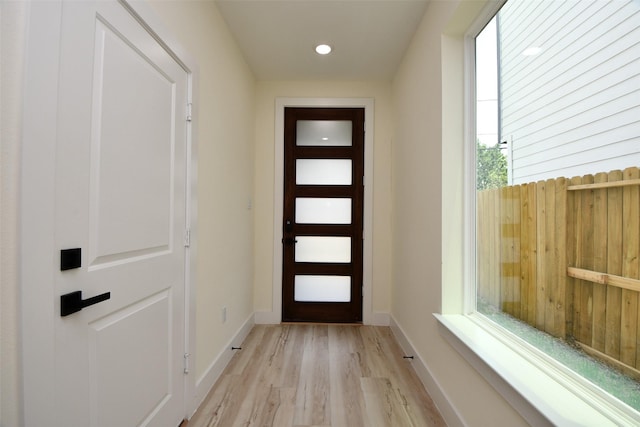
(295, 375)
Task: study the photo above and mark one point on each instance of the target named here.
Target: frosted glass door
(323, 249)
(322, 288)
(324, 133)
(322, 224)
(323, 211)
(323, 172)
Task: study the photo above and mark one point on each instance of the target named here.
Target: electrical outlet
(224, 314)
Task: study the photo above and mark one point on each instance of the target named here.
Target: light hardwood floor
(318, 375)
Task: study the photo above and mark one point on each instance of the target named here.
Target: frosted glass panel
(322, 288)
(323, 249)
(323, 172)
(330, 133)
(323, 211)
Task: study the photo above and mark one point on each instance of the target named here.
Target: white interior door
(120, 200)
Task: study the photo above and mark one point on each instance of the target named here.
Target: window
(557, 202)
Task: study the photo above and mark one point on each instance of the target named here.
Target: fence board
(571, 262)
(604, 184)
(614, 266)
(525, 276)
(550, 244)
(624, 283)
(528, 252)
(481, 243)
(505, 252)
(560, 256)
(509, 259)
(540, 249)
(487, 242)
(495, 249)
(586, 261)
(532, 227)
(517, 262)
(599, 263)
(579, 248)
(482, 235)
(630, 246)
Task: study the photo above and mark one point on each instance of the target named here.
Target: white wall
(12, 25)
(427, 219)
(224, 132)
(266, 95)
(574, 108)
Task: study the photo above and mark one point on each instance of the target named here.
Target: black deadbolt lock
(70, 259)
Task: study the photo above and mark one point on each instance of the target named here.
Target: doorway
(323, 214)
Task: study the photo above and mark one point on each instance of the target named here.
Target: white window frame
(542, 390)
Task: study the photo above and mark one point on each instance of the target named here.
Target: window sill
(539, 388)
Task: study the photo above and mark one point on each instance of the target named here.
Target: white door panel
(131, 196)
(138, 366)
(120, 196)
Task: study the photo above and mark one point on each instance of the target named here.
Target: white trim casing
(36, 256)
(275, 316)
(469, 262)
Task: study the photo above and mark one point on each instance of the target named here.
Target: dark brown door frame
(322, 311)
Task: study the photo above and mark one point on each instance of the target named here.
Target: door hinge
(189, 111)
(187, 238)
(186, 363)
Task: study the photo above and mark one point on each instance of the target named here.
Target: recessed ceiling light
(324, 138)
(323, 49)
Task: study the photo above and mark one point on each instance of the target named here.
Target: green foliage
(491, 167)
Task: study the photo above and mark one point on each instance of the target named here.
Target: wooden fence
(563, 255)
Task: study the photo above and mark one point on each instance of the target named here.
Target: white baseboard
(442, 402)
(205, 383)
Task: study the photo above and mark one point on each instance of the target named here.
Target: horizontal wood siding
(573, 109)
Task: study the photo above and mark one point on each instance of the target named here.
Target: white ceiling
(278, 37)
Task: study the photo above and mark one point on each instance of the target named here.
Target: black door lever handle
(289, 240)
(72, 302)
